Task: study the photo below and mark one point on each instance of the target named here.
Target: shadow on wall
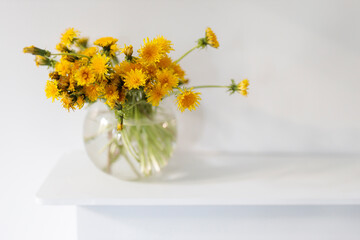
(250, 129)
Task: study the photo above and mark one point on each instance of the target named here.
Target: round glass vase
(141, 149)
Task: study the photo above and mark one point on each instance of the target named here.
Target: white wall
(302, 58)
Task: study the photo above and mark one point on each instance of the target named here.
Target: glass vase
(141, 149)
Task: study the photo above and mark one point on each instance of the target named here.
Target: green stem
(210, 86)
(128, 146)
(69, 54)
(132, 165)
(116, 60)
(108, 167)
(133, 105)
(187, 53)
(202, 86)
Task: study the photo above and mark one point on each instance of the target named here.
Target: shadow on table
(220, 167)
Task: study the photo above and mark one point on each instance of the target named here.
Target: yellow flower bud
(184, 81)
(127, 50)
(62, 48)
(43, 61)
(82, 43)
(243, 84)
(244, 92)
(211, 38)
(54, 75)
(243, 87)
(120, 126)
(36, 51)
(80, 102)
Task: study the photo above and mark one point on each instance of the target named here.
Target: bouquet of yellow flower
(131, 86)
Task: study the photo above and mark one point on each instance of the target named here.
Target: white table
(214, 196)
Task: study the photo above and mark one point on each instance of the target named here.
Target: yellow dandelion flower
(167, 78)
(178, 71)
(150, 69)
(105, 41)
(125, 67)
(63, 67)
(90, 52)
(111, 92)
(111, 95)
(62, 47)
(151, 52)
(111, 103)
(63, 83)
(135, 79)
(164, 44)
(54, 75)
(114, 79)
(72, 83)
(84, 76)
(127, 50)
(75, 66)
(101, 82)
(155, 94)
(92, 92)
(211, 38)
(71, 76)
(99, 65)
(113, 50)
(164, 62)
(51, 90)
(67, 101)
(80, 102)
(243, 87)
(68, 37)
(188, 99)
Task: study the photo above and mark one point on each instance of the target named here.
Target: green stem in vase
(127, 144)
(131, 165)
(109, 162)
(145, 139)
